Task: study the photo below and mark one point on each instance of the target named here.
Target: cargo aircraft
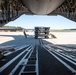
(12, 9)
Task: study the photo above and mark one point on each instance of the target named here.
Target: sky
(54, 22)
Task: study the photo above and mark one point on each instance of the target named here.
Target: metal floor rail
(31, 67)
(71, 65)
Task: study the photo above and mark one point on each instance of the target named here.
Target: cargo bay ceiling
(12, 9)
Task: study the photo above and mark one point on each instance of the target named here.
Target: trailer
(42, 32)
